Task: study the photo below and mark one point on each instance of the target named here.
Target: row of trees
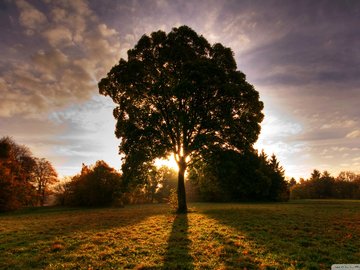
(222, 176)
(25, 180)
(324, 186)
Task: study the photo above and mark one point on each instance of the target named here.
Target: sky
(303, 57)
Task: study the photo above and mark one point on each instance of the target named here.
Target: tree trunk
(182, 207)
(43, 197)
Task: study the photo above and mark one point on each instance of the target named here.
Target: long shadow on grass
(305, 239)
(177, 254)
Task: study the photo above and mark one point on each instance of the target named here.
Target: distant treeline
(220, 176)
(324, 186)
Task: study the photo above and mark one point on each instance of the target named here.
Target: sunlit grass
(297, 235)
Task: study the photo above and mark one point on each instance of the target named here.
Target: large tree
(177, 94)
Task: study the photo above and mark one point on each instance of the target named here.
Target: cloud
(30, 17)
(58, 35)
(354, 134)
(301, 56)
(74, 51)
(339, 123)
(105, 31)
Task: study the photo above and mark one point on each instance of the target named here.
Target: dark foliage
(98, 185)
(230, 176)
(178, 94)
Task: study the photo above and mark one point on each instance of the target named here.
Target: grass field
(295, 235)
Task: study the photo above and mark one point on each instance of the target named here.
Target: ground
(294, 235)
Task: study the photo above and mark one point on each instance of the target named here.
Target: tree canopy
(177, 94)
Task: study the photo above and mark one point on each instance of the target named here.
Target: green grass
(295, 235)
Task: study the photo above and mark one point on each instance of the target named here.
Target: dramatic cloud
(302, 56)
(74, 51)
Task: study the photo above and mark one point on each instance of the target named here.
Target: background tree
(322, 185)
(167, 181)
(348, 176)
(177, 94)
(16, 166)
(156, 186)
(98, 185)
(44, 175)
(233, 176)
(63, 191)
(292, 182)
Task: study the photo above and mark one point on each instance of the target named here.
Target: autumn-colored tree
(97, 185)
(44, 175)
(16, 165)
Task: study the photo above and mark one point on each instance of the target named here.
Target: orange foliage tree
(16, 164)
(44, 175)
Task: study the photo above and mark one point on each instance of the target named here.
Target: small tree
(292, 182)
(177, 94)
(44, 175)
(62, 192)
(167, 181)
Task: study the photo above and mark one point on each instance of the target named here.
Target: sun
(169, 162)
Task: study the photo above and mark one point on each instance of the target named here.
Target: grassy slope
(296, 235)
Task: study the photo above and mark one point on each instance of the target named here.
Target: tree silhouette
(178, 94)
(97, 185)
(232, 176)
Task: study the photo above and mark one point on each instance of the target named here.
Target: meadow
(293, 235)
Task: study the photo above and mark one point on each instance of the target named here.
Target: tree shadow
(293, 237)
(177, 253)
